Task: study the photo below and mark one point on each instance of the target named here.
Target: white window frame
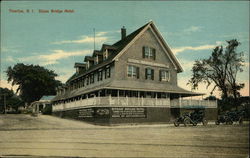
(166, 76)
(148, 52)
(105, 55)
(133, 71)
(96, 60)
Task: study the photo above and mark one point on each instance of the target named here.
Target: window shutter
(160, 75)
(152, 71)
(154, 54)
(143, 52)
(138, 72)
(146, 70)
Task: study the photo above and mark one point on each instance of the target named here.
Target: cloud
(100, 38)
(5, 84)
(9, 59)
(201, 47)
(187, 31)
(192, 29)
(55, 56)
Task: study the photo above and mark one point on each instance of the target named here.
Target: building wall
(152, 115)
(135, 52)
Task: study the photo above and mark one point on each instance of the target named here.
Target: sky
(56, 40)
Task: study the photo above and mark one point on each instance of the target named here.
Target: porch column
(179, 100)
(155, 98)
(127, 99)
(99, 98)
(109, 99)
(138, 96)
(118, 96)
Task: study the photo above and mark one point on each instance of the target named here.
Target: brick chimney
(123, 32)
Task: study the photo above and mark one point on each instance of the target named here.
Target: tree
(10, 99)
(221, 69)
(33, 81)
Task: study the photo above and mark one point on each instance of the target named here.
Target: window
(92, 78)
(164, 75)
(149, 74)
(96, 60)
(133, 71)
(83, 80)
(148, 52)
(99, 78)
(88, 64)
(87, 80)
(105, 54)
(107, 72)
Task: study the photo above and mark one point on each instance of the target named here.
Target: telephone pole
(4, 102)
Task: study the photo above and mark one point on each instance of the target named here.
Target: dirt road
(25, 136)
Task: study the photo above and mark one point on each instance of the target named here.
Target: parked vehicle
(230, 117)
(198, 116)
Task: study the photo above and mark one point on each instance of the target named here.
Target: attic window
(148, 52)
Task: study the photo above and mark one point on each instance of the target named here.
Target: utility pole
(4, 102)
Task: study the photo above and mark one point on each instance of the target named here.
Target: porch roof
(173, 89)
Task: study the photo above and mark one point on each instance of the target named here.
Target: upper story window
(107, 72)
(87, 80)
(148, 52)
(99, 78)
(92, 78)
(133, 71)
(149, 74)
(164, 75)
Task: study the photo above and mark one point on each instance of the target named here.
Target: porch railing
(188, 103)
(114, 101)
(135, 101)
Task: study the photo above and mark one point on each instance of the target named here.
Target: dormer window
(77, 70)
(105, 54)
(148, 52)
(96, 60)
(88, 64)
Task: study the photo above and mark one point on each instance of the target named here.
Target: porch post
(179, 100)
(109, 99)
(118, 96)
(138, 96)
(99, 98)
(155, 98)
(127, 99)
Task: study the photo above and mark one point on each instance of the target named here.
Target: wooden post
(4, 100)
(127, 99)
(109, 99)
(118, 96)
(155, 98)
(138, 93)
(179, 100)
